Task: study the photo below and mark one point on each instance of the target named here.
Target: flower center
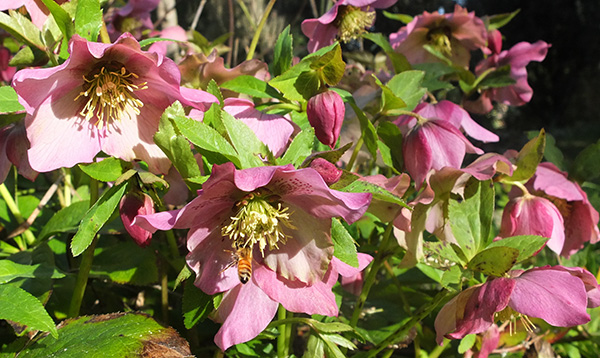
(439, 38)
(510, 315)
(351, 22)
(110, 95)
(259, 219)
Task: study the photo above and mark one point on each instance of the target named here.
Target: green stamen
(351, 22)
(440, 39)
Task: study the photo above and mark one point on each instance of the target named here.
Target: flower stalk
(261, 25)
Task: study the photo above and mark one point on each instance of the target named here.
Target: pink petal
(245, 312)
(589, 281)
(555, 182)
(555, 296)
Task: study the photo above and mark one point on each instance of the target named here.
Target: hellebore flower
(453, 34)
(329, 172)
(550, 293)
(534, 215)
(579, 216)
(435, 142)
(517, 94)
(13, 150)
(276, 220)
(134, 204)
(325, 112)
(6, 72)
(272, 129)
(346, 20)
(104, 97)
(133, 18)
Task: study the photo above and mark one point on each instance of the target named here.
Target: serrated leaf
(29, 311)
(174, 144)
(96, 217)
(9, 101)
(282, 53)
(407, 86)
(300, 148)
(466, 343)
(526, 245)
(330, 65)
(248, 146)
(471, 219)
(183, 275)
(529, 157)
(213, 88)
(494, 261)
(88, 19)
(106, 170)
(252, 86)
(196, 305)
(22, 28)
(344, 247)
(114, 335)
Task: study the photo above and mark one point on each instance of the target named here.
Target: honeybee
(242, 256)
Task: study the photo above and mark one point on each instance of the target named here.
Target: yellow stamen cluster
(439, 38)
(351, 22)
(258, 221)
(508, 314)
(110, 96)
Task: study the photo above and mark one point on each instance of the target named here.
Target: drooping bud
(325, 113)
(133, 204)
(329, 172)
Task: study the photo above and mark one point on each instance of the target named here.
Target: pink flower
(434, 140)
(550, 293)
(133, 18)
(518, 93)
(173, 33)
(534, 215)
(272, 129)
(346, 19)
(454, 35)
(6, 72)
(104, 97)
(133, 204)
(13, 150)
(325, 113)
(35, 8)
(276, 219)
(328, 171)
(579, 216)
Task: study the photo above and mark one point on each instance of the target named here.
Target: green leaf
(300, 148)
(499, 20)
(248, 146)
(391, 136)
(404, 18)
(330, 66)
(107, 170)
(63, 20)
(124, 263)
(96, 217)
(252, 86)
(10, 270)
(434, 73)
(466, 343)
(315, 347)
(344, 247)
(586, 166)
(22, 29)
(452, 276)
(407, 85)
(308, 83)
(389, 101)
(529, 157)
(88, 19)
(379, 193)
(471, 219)
(20, 306)
(196, 305)
(494, 261)
(213, 88)
(369, 133)
(282, 53)
(338, 341)
(499, 77)
(399, 61)
(526, 245)
(183, 275)
(114, 335)
(174, 144)
(330, 327)
(9, 101)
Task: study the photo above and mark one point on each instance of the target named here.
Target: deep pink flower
(579, 216)
(133, 18)
(274, 130)
(534, 215)
(104, 97)
(550, 293)
(434, 140)
(517, 94)
(325, 112)
(453, 34)
(345, 20)
(329, 172)
(133, 204)
(13, 151)
(6, 72)
(283, 217)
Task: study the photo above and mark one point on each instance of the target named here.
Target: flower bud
(329, 172)
(133, 204)
(325, 113)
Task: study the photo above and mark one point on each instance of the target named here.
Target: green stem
(283, 338)
(435, 353)
(67, 186)
(379, 259)
(164, 290)
(402, 331)
(14, 209)
(293, 106)
(359, 145)
(86, 262)
(261, 25)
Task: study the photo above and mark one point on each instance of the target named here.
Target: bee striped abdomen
(244, 264)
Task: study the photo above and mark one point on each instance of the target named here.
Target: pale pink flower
(13, 151)
(104, 97)
(173, 33)
(517, 94)
(325, 112)
(283, 217)
(454, 34)
(133, 18)
(133, 204)
(345, 20)
(554, 294)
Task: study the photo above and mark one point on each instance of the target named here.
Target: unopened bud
(325, 113)
(133, 204)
